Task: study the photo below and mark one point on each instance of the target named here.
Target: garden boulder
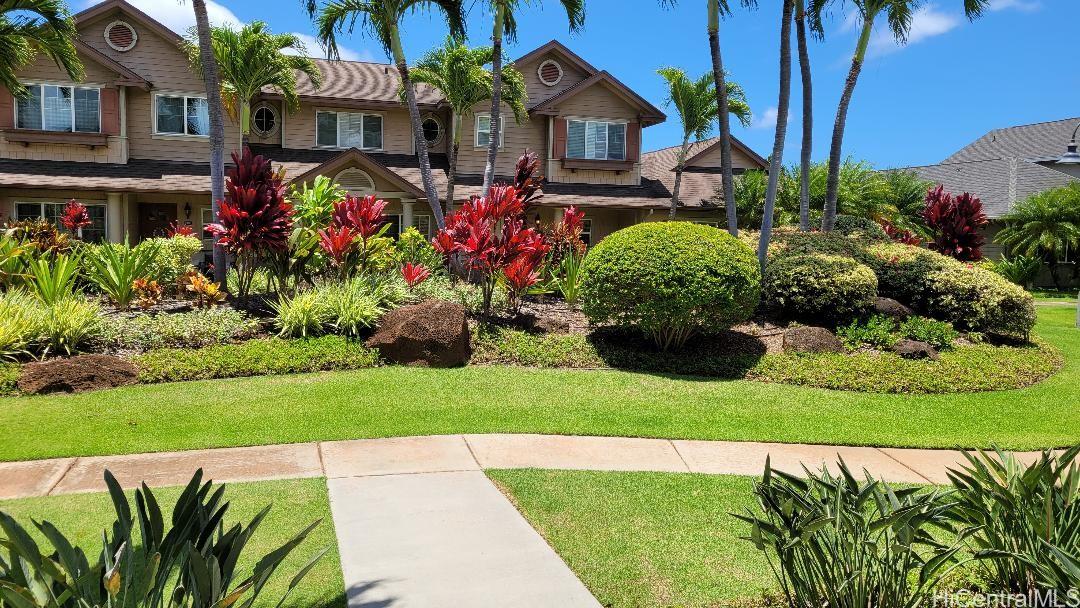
(429, 334)
(913, 349)
(810, 339)
(77, 374)
(892, 308)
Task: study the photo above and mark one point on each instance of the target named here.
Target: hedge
(818, 287)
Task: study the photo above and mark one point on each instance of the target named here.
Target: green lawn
(646, 539)
(397, 401)
(82, 517)
(1053, 295)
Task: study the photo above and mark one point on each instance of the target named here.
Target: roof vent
(120, 36)
(550, 72)
(355, 181)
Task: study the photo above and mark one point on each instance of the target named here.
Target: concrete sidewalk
(448, 453)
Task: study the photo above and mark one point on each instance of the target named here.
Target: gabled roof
(348, 83)
(127, 76)
(354, 157)
(1043, 141)
(700, 185)
(705, 147)
(561, 49)
(650, 114)
(108, 6)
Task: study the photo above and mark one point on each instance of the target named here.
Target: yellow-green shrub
(816, 286)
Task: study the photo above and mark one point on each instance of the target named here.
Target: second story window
(483, 130)
(181, 115)
(596, 140)
(349, 130)
(60, 108)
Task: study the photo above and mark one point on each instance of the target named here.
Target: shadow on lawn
(727, 355)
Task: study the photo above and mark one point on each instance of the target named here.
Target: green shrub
(860, 227)
(20, 323)
(69, 324)
(1019, 269)
(467, 294)
(351, 307)
(903, 271)
(413, 247)
(193, 329)
(113, 268)
(816, 287)
(671, 280)
(979, 300)
(939, 334)
(875, 332)
(14, 256)
(255, 358)
(53, 278)
(173, 257)
(302, 315)
(789, 241)
(9, 378)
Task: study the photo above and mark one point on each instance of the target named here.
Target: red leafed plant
(254, 219)
(355, 238)
(365, 215)
(414, 274)
(75, 216)
(906, 237)
(340, 244)
(489, 234)
(522, 273)
(955, 223)
(176, 229)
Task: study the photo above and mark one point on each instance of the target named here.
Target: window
(181, 115)
(586, 232)
(348, 130)
(60, 108)
(424, 224)
(264, 121)
(432, 130)
(93, 233)
(596, 140)
(355, 181)
(483, 130)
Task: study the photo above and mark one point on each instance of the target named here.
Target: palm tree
(29, 27)
(899, 15)
(251, 58)
(776, 161)
(806, 19)
(505, 24)
(1045, 226)
(459, 73)
(217, 127)
(381, 19)
(695, 101)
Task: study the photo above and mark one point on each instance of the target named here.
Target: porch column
(406, 214)
(114, 217)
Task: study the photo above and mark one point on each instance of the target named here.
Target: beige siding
(556, 173)
(531, 134)
(597, 102)
(397, 128)
(539, 91)
(143, 143)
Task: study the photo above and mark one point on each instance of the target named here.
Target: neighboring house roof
(998, 182)
(650, 114)
(1039, 142)
(699, 184)
(347, 83)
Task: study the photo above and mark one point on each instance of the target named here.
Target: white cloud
(1020, 5)
(314, 49)
(926, 23)
(767, 119)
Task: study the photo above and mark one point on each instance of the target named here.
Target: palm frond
(30, 27)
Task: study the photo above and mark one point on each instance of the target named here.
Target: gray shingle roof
(359, 81)
(998, 182)
(1037, 142)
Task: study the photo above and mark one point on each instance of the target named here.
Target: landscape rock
(810, 339)
(913, 349)
(77, 374)
(891, 308)
(429, 334)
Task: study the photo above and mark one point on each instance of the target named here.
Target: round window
(264, 121)
(432, 130)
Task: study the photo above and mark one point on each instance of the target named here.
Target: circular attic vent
(550, 73)
(121, 36)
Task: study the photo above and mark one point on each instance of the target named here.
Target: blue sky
(914, 105)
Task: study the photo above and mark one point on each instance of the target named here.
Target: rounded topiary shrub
(980, 300)
(903, 271)
(860, 227)
(671, 280)
(816, 287)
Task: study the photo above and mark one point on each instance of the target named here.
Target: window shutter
(633, 141)
(7, 109)
(110, 111)
(560, 139)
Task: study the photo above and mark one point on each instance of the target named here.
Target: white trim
(134, 36)
(625, 124)
(442, 129)
(337, 180)
(175, 94)
(476, 129)
(540, 72)
(382, 131)
(73, 87)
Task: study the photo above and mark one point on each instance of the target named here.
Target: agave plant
(833, 541)
(114, 268)
(192, 563)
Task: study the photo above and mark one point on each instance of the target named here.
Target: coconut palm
(459, 73)
(30, 27)
(776, 161)
(1045, 226)
(381, 19)
(695, 102)
(505, 25)
(898, 14)
(251, 58)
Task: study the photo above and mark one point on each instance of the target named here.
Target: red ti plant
(365, 221)
(254, 220)
(176, 229)
(75, 217)
(340, 245)
(955, 223)
(522, 273)
(906, 237)
(414, 274)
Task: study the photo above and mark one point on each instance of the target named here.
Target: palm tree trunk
(807, 117)
(679, 168)
(832, 185)
(726, 173)
(451, 176)
(217, 130)
(418, 129)
(776, 163)
(496, 96)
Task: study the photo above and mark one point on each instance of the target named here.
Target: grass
(82, 517)
(397, 401)
(1054, 295)
(646, 539)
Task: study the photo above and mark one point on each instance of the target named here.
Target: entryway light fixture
(1071, 156)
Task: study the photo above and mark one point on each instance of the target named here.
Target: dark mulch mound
(77, 374)
(810, 339)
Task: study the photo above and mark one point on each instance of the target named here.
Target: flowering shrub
(955, 224)
(567, 253)
(207, 293)
(75, 217)
(254, 219)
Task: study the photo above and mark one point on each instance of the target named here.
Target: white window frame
(277, 120)
(337, 139)
(608, 121)
(73, 87)
(430, 223)
(41, 211)
(185, 96)
(477, 131)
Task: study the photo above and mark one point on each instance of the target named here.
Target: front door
(155, 219)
